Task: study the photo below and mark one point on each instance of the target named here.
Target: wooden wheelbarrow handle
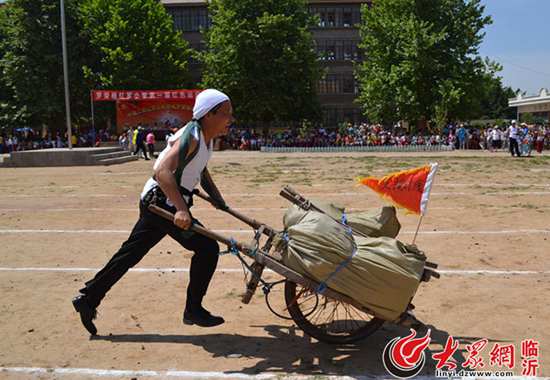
(200, 230)
(250, 221)
(256, 269)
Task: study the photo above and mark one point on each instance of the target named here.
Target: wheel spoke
(316, 315)
(328, 319)
(351, 318)
(361, 315)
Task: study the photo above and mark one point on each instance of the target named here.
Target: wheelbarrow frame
(263, 258)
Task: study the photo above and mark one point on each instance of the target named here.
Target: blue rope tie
(323, 285)
(344, 221)
(285, 237)
(233, 247)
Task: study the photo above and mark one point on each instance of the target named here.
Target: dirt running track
(488, 213)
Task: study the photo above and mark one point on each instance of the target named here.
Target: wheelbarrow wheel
(326, 319)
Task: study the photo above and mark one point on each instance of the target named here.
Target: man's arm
(211, 189)
(166, 179)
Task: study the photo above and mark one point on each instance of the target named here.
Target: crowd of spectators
(141, 139)
(20, 139)
(458, 136)
(526, 138)
(345, 135)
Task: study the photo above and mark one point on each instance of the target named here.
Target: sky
(519, 39)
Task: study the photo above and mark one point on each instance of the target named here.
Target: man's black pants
(140, 146)
(148, 231)
(514, 148)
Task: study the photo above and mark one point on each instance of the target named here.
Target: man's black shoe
(87, 313)
(201, 317)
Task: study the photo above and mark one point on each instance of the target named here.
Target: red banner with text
(156, 109)
(154, 114)
(114, 95)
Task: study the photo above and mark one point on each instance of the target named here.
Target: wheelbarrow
(328, 316)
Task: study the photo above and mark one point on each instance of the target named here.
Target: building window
(337, 17)
(333, 84)
(328, 85)
(333, 116)
(347, 18)
(348, 84)
(190, 19)
(331, 18)
(338, 50)
(330, 116)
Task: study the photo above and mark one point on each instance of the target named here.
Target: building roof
(521, 100)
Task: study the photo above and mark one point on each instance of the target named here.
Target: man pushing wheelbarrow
(180, 167)
(343, 275)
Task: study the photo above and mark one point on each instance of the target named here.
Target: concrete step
(109, 149)
(115, 154)
(117, 160)
(68, 157)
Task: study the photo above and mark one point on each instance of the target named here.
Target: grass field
(488, 227)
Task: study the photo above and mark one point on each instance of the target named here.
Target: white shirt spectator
(513, 132)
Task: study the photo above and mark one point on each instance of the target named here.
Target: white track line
(41, 196)
(86, 372)
(211, 374)
(244, 209)
(469, 272)
(95, 372)
(63, 231)
(492, 185)
(216, 375)
(276, 195)
(71, 209)
(201, 209)
(497, 232)
(475, 185)
(443, 232)
(121, 173)
(482, 194)
(450, 272)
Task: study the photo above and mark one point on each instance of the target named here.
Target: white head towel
(207, 100)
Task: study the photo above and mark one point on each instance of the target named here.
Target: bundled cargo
(356, 255)
(344, 276)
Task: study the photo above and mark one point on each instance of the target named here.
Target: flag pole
(425, 196)
(66, 74)
(92, 109)
(417, 228)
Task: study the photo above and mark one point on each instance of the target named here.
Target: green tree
(527, 118)
(6, 95)
(494, 96)
(135, 45)
(422, 59)
(261, 53)
(32, 67)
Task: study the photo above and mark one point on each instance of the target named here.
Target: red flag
(409, 188)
